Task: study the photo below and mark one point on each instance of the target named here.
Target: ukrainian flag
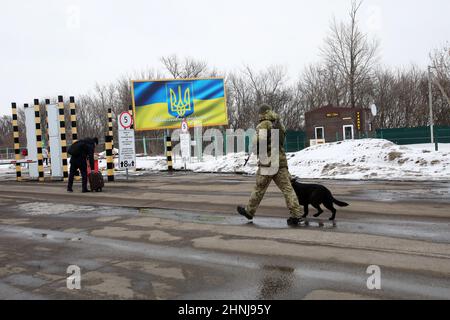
(163, 104)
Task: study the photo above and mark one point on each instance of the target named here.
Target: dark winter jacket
(83, 150)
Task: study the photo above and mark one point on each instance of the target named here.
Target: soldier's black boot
(244, 213)
(293, 222)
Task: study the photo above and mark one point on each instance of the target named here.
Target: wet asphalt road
(177, 237)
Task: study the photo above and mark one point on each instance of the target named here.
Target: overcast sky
(51, 47)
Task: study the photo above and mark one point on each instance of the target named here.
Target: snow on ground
(445, 147)
(231, 163)
(6, 169)
(367, 159)
(371, 159)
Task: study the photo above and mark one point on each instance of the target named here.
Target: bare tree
(6, 132)
(440, 60)
(247, 89)
(240, 101)
(401, 97)
(187, 68)
(349, 51)
(268, 85)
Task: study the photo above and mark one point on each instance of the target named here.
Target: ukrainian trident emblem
(180, 99)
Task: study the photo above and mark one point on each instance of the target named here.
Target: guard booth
(331, 124)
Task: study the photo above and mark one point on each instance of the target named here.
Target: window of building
(348, 132)
(319, 133)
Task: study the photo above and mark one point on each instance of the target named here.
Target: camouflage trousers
(283, 181)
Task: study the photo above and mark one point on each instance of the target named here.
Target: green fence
(295, 141)
(415, 135)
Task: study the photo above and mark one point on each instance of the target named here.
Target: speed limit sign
(125, 121)
(184, 126)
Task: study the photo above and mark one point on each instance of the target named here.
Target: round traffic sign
(184, 126)
(125, 120)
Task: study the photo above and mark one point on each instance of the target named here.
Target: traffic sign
(184, 126)
(185, 146)
(127, 150)
(125, 120)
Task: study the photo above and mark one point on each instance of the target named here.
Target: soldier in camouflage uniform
(270, 120)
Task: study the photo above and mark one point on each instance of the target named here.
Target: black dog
(315, 194)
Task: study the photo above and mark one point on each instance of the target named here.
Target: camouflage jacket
(268, 121)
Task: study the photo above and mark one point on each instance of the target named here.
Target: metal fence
(295, 141)
(150, 146)
(6, 153)
(417, 135)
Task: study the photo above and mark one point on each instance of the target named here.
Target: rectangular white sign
(30, 126)
(185, 146)
(55, 141)
(127, 151)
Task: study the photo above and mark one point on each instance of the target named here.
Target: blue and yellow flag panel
(163, 104)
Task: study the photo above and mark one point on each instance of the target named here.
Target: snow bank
(231, 163)
(367, 159)
(370, 159)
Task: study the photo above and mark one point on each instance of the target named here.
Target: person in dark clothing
(81, 152)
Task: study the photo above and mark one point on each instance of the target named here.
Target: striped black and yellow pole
(37, 121)
(73, 120)
(62, 132)
(109, 148)
(73, 125)
(47, 135)
(16, 141)
(169, 152)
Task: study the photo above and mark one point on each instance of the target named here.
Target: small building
(331, 124)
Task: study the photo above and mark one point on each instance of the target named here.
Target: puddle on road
(436, 231)
(62, 209)
(44, 208)
(259, 222)
(439, 194)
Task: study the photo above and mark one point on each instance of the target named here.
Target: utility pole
(430, 93)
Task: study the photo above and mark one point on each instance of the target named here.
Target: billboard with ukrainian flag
(163, 104)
